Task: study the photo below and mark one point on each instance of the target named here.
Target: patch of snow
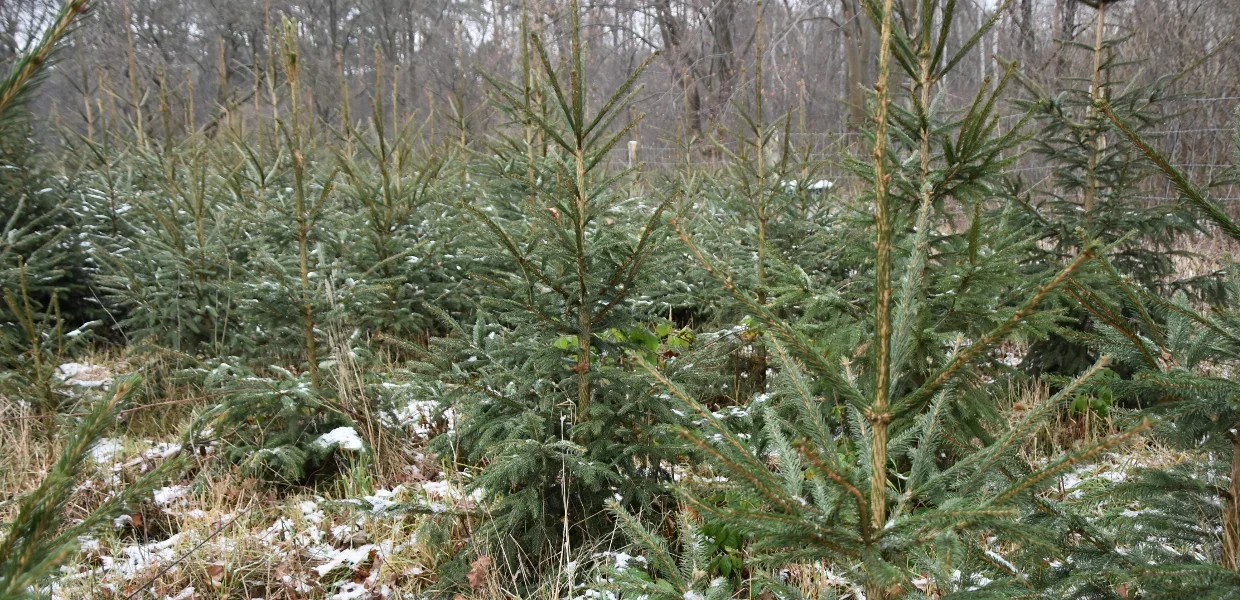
(381, 500)
(310, 511)
(813, 186)
(139, 557)
(167, 495)
(106, 450)
(982, 581)
(80, 330)
(349, 557)
(162, 450)
(345, 438)
(623, 559)
(84, 375)
(185, 594)
(416, 414)
(342, 533)
(350, 591)
(1112, 475)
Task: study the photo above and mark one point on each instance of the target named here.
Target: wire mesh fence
(1203, 152)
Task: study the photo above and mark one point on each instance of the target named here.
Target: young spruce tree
(1097, 184)
(1168, 532)
(906, 484)
(548, 405)
(42, 268)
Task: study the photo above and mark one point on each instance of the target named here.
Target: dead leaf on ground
(478, 571)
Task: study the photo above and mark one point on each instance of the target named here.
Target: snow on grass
(1111, 469)
(345, 438)
(106, 451)
(306, 561)
(136, 559)
(413, 412)
(350, 591)
(161, 450)
(348, 557)
(185, 594)
(333, 549)
(382, 500)
(166, 496)
(419, 415)
(84, 375)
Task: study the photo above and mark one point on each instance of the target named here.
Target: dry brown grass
(229, 515)
(390, 455)
(1207, 254)
(231, 537)
(27, 452)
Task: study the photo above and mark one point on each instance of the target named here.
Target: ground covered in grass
(297, 356)
(213, 533)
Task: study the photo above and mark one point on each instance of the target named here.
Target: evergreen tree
(1097, 185)
(259, 262)
(547, 405)
(42, 282)
(165, 244)
(1174, 531)
(400, 198)
(697, 565)
(907, 475)
(33, 223)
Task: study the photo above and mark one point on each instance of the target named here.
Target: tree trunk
(670, 30)
(1068, 23)
(1027, 41)
(857, 52)
(723, 70)
(1231, 512)
(1065, 19)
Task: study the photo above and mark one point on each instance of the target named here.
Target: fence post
(635, 182)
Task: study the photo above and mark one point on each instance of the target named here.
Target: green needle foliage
(42, 270)
(34, 344)
(1097, 186)
(246, 261)
(27, 71)
(826, 353)
(399, 193)
(32, 224)
(547, 403)
(273, 423)
(1175, 531)
(39, 538)
(1097, 183)
(697, 565)
(166, 247)
(877, 457)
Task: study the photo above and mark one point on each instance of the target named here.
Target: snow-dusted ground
(363, 546)
(307, 548)
(84, 375)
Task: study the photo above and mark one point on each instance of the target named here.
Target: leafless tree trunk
(857, 46)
